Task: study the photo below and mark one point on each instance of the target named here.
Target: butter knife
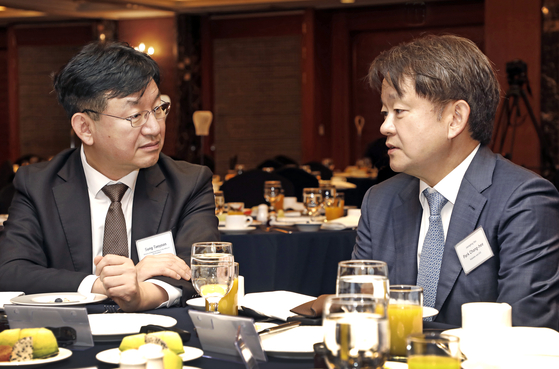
(279, 328)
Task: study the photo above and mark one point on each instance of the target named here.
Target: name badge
(157, 244)
(473, 250)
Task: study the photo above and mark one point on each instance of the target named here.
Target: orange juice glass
(335, 209)
(405, 316)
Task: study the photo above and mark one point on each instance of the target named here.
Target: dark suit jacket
(46, 244)
(519, 212)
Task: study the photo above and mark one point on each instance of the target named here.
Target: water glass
(229, 304)
(405, 314)
(211, 251)
(212, 280)
(356, 332)
(272, 192)
(312, 199)
(433, 350)
(363, 277)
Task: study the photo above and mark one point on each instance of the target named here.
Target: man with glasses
(93, 219)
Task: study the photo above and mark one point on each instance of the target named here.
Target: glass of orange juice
(433, 350)
(229, 304)
(405, 316)
(335, 209)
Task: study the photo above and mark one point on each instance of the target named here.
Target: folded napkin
(275, 304)
(311, 309)
(350, 221)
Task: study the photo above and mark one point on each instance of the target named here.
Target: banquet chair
(325, 172)
(248, 187)
(299, 178)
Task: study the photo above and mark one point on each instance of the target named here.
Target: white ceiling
(19, 11)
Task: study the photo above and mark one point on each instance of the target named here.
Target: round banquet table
(302, 262)
(85, 358)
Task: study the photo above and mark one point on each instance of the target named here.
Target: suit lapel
(406, 218)
(465, 216)
(150, 197)
(72, 202)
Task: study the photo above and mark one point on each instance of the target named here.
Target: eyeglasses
(139, 119)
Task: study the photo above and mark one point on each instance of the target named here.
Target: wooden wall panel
(44, 128)
(162, 35)
(257, 101)
(358, 36)
(37, 123)
(513, 30)
(4, 117)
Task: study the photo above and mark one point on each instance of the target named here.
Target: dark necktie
(432, 251)
(115, 239)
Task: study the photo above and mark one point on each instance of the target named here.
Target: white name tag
(473, 250)
(157, 244)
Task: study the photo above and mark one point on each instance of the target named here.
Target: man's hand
(118, 278)
(163, 265)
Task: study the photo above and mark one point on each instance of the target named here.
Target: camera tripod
(511, 117)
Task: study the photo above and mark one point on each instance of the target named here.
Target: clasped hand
(125, 283)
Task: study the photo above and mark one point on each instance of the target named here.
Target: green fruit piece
(44, 342)
(9, 337)
(172, 339)
(171, 360)
(132, 342)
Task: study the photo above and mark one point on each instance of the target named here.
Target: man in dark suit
(59, 228)
(464, 223)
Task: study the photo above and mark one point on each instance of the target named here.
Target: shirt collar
(450, 185)
(96, 181)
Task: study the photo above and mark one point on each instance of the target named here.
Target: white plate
(290, 220)
(236, 230)
(112, 356)
(429, 311)
(197, 302)
(309, 226)
(5, 298)
(491, 345)
(69, 298)
(113, 327)
(293, 343)
(62, 354)
(292, 213)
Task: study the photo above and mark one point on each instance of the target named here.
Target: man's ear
(460, 114)
(82, 125)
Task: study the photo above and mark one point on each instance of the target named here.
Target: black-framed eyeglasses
(139, 119)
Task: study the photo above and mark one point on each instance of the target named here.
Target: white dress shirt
(448, 187)
(99, 205)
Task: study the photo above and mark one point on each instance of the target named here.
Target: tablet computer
(218, 334)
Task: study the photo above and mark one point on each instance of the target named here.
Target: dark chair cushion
(249, 187)
(299, 178)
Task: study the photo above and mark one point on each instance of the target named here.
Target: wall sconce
(142, 47)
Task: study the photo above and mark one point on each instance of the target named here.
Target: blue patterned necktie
(432, 251)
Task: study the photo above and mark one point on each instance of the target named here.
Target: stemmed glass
(211, 251)
(213, 273)
(312, 199)
(356, 331)
(213, 280)
(272, 190)
(363, 277)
